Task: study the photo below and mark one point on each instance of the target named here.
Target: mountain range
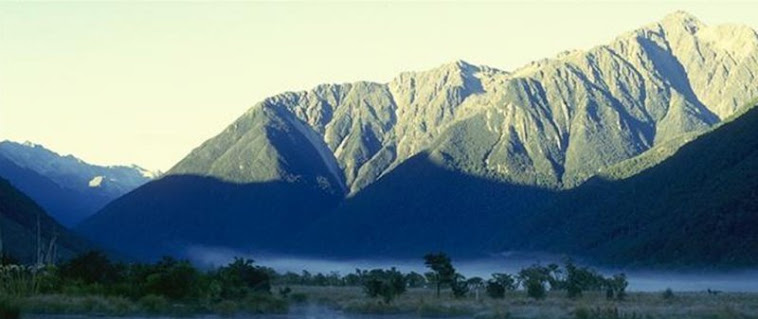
(68, 188)
(462, 158)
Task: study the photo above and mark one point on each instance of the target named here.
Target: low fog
(639, 280)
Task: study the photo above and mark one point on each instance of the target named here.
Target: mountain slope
(178, 212)
(466, 143)
(70, 189)
(699, 206)
(18, 228)
(553, 123)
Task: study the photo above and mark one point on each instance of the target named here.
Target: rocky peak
(682, 20)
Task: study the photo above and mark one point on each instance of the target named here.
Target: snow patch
(96, 182)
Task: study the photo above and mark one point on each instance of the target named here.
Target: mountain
(19, 216)
(177, 213)
(697, 207)
(70, 189)
(463, 146)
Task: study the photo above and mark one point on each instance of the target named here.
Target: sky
(146, 82)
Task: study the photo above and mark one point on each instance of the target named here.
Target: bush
(495, 290)
(534, 279)
(17, 280)
(241, 278)
(91, 267)
(176, 280)
(579, 279)
(535, 289)
(387, 284)
(668, 294)
(616, 287)
(460, 288)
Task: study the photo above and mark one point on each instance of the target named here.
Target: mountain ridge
(66, 186)
(544, 128)
(369, 128)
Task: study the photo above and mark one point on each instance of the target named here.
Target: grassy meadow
(516, 304)
(92, 285)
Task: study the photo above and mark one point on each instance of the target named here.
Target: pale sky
(145, 83)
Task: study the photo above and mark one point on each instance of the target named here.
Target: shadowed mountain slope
(18, 228)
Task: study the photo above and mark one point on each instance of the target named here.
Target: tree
(172, 278)
(476, 283)
(241, 277)
(499, 284)
(506, 280)
(387, 284)
(415, 279)
(495, 290)
(442, 269)
(616, 287)
(459, 286)
(534, 279)
(535, 289)
(579, 279)
(89, 268)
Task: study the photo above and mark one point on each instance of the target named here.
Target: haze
(144, 83)
(639, 280)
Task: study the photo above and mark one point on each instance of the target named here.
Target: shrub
(241, 278)
(17, 280)
(387, 284)
(616, 287)
(176, 280)
(535, 289)
(495, 290)
(579, 279)
(91, 267)
(534, 279)
(460, 288)
(668, 294)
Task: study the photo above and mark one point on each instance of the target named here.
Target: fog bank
(650, 281)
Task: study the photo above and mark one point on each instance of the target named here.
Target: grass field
(516, 304)
(419, 302)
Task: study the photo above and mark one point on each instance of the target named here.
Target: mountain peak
(460, 65)
(684, 19)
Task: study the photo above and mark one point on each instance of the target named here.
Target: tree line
(179, 280)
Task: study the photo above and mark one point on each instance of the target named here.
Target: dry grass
(516, 305)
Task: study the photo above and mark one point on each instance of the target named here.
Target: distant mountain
(18, 229)
(463, 146)
(70, 189)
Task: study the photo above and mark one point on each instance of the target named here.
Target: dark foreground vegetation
(91, 284)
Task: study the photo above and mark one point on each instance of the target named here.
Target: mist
(639, 280)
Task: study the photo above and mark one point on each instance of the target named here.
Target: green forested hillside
(700, 206)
